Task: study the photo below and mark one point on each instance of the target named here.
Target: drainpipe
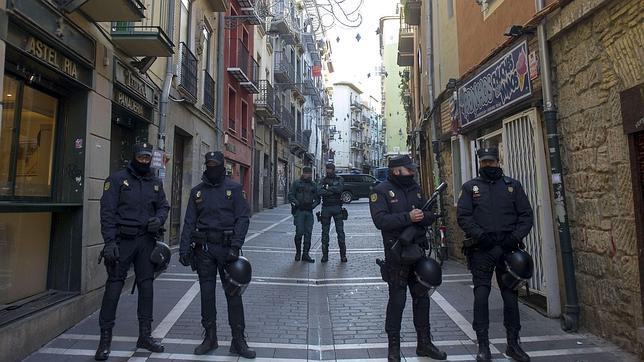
(429, 45)
(167, 83)
(570, 321)
(219, 116)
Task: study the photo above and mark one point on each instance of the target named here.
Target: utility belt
(405, 253)
(130, 232)
(216, 237)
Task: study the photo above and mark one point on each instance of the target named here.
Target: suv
(357, 186)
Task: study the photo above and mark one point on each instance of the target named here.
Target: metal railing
(187, 71)
(266, 96)
(208, 93)
(245, 62)
(283, 69)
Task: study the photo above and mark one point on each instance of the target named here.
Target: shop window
(27, 138)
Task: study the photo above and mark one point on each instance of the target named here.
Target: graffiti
(503, 83)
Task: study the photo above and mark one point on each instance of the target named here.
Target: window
(27, 138)
(244, 120)
(207, 34)
(184, 22)
(231, 109)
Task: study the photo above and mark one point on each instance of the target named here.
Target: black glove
(510, 242)
(111, 253)
(233, 254)
(185, 259)
(486, 241)
(154, 224)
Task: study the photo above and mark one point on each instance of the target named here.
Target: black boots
(145, 340)
(514, 350)
(343, 252)
(239, 346)
(484, 354)
(298, 250)
(209, 343)
(393, 350)
(325, 254)
(103, 350)
(426, 348)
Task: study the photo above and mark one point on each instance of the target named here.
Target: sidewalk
(298, 311)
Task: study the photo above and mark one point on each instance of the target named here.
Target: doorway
(177, 187)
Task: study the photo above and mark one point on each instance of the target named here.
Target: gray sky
(352, 59)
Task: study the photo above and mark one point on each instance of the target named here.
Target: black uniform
(496, 213)
(129, 201)
(330, 189)
(304, 198)
(390, 204)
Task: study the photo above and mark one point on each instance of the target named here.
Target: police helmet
(237, 276)
(519, 268)
(428, 274)
(160, 256)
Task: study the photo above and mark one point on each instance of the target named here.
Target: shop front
(496, 110)
(133, 106)
(238, 156)
(47, 74)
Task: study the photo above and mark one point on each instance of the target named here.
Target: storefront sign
(133, 83)
(132, 105)
(501, 84)
(51, 56)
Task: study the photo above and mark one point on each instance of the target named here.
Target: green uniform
(304, 198)
(330, 188)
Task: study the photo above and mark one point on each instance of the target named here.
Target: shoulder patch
(107, 185)
(156, 188)
(510, 189)
(229, 194)
(373, 197)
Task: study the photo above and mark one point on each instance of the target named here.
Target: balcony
(282, 23)
(265, 103)
(243, 67)
(355, 104)
(218, 6)
(208, 93)
(145, 38)
(297, 145)
(309, 83)
(405, 59)
(114, 10)
(405, 37)
(284, 72)
(187, 73)
(412, 12)
(250, 11)
(286, 127)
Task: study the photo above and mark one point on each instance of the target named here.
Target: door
(177, 188)
(524, 160)
(281, 182)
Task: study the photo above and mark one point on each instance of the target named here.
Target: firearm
(409, 234)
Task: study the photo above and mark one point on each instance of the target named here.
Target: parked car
(357, 186)
(381, 173)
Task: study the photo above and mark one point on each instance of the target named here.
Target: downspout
(167, 83)
(219, 116)
(429, 45)
(570, 322)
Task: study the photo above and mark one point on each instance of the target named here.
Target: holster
(318, 215)
(384, 271)
(345, 214)
(128, 232)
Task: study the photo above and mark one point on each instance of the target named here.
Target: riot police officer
(495, 212)
(394, 206)
(214, 230)
(303, 198)
(330, 189)
(133, 209)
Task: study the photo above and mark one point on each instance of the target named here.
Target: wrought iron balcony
(309, 82)
(114, 10)
(405, 36)
(412, 12)
(405, 59)
(355, 104)
(284, 71)
(218, 6)
(286, 127)
(282, 22)
(208, 93)
(243, 67)
(187, 73)
(297, 144)
(145, 38)
(265, 103)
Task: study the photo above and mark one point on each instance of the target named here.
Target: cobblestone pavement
(335, 311)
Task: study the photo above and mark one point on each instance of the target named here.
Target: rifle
(408, 235)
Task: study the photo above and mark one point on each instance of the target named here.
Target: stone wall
(592, 62)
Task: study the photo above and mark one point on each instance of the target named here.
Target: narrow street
(297, 311)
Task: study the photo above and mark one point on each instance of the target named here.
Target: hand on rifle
(416, 215)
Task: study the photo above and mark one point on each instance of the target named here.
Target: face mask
(141, 168)
(407, 180)
(330, 174)
(491, 173)
(214, 174)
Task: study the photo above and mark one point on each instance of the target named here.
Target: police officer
(133, 209)
(494, 210)
(304, 198)
(394, 206)
(330, 189)
(214, 228)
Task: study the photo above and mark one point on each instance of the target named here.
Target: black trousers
(401, 278)
(210, 260)
(335, 213)
(483, 263)
(135, 251)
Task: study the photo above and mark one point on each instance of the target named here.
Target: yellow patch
(373, 197)
(229, 194)
(510, 189)
(156, 188)
(107, 185)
